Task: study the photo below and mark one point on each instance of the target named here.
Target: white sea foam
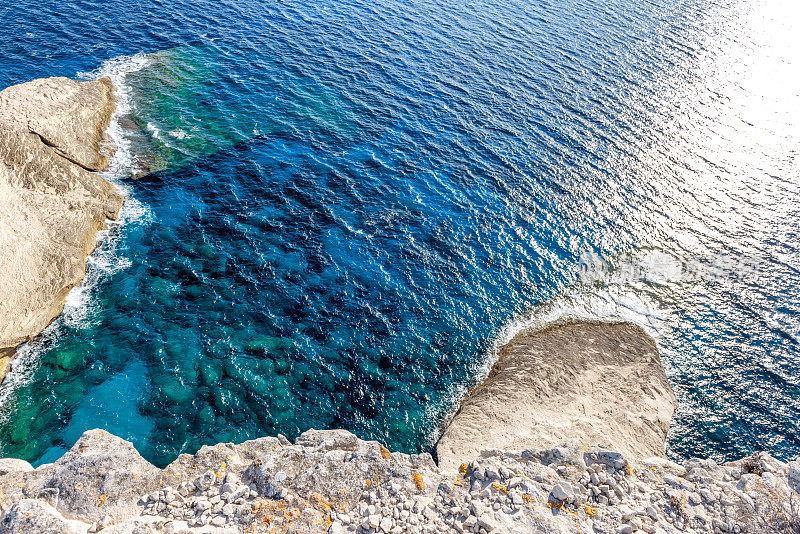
(179, 134)
(106, 259)
(117, 69)
(156, 132)
(25, 362)
(625, 289)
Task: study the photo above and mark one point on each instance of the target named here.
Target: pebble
(560, 492)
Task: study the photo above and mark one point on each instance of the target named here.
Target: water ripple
(353, 205)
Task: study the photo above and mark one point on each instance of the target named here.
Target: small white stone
(561, 492)
(205, 481)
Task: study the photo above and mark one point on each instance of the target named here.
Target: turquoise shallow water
(353, 205)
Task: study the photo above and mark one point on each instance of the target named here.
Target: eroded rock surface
(102, 475)
(32, 515)
(332, 482)
(51, 203)
(69, 116)
(601, 383)
(14, 465)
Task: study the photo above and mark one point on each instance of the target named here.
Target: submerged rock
(600, 383)
(52, 136)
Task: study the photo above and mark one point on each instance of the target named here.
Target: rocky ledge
(329, 481)
(332, 482)
(52, 202)
(599, 382)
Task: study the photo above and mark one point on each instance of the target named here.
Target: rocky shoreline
(52, 201)
(329, 481)
(599, 382)
(565, 435)
(332, 482)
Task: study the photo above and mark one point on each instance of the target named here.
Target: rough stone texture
(210, 458)
(332, 482)
(9, 465)
(101, 475)
(601, 383)
(30, 516)
(51, 204)
(69, 116)
(794, 476)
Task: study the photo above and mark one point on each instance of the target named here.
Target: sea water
(349, 206)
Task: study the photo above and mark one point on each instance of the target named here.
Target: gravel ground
(330, 481)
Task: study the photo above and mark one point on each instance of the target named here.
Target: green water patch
(179, 116)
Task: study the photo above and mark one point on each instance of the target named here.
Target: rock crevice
(52, 203)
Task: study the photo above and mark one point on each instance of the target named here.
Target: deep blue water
(353, 204)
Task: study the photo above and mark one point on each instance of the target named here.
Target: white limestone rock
(600, 383)
(30, 516)
(51, 203)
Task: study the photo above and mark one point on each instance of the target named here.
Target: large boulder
(101, 475)
(598, 382)
(51, 204)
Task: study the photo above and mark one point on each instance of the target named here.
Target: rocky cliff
(600, 383)
(52, 203)
(332, 482)
(565, 435)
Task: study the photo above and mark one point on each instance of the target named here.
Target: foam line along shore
(104, 258)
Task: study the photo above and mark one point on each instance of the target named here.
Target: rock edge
(599, 382)
(52, 202)
(329, 481)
